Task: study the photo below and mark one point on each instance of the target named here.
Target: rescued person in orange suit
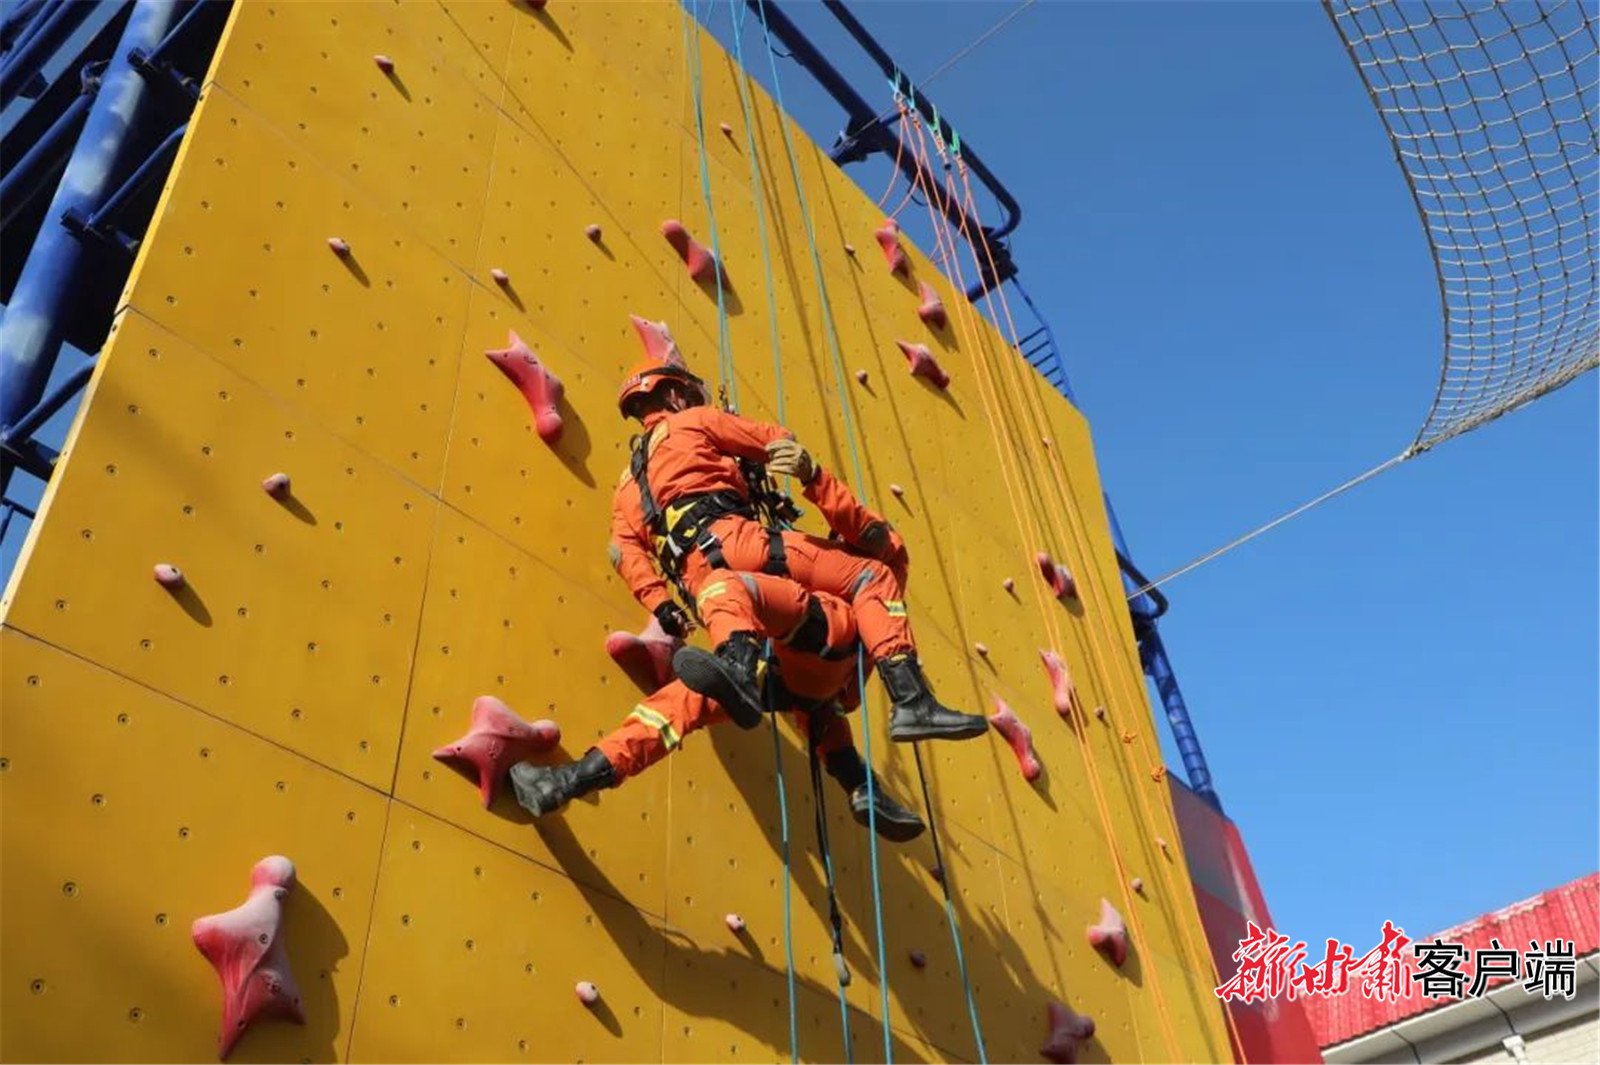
(812, 675)
(683, 511)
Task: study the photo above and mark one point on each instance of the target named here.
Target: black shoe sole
(891, 830)
(913, 733)
(704, 673)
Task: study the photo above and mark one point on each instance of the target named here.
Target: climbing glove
(673, 619)
(786, 458)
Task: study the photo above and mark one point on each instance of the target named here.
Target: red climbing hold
(1010, 726)
(541, 388)
(888, 236)
(501, 278)
(645, 657)
(1060, 682)
(938, 873)
(734, 922)
(727, 129)
(592, 231)
(931, 310)
(498, 740)
(276, 486)
(587, 993)
(1162, 844)
(850, 250)
(339, 246)
(1110, 936)
(1057, 576)
(919, 959)
(385, 64)
(981, 648)
(1137, 884)
(861, 377)
(658, 342)
(702, 264)
(1099, 713)
(1008, 584)
(897, 491)
(923, 364)
(245, 947)
(169, 577)
(536, 5)
(1067, 1031)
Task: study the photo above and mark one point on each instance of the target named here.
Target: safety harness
(684, 525)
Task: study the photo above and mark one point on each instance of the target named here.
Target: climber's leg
(829, 733)
(740, 610)
(654, 729)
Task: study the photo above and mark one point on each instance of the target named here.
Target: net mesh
(1491, 111)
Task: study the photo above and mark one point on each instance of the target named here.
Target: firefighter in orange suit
(813, 676)
(682, 511)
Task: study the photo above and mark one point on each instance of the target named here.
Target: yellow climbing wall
(154, 746)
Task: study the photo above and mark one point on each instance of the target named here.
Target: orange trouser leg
(656, 727)
(834, 730)
(873, 589)
(730, 602)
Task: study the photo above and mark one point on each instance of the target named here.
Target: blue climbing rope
(724, 341)
(726, 375)
(861, 489)
(737, 10)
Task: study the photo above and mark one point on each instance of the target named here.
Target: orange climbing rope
(993, 409)
(1098, 609)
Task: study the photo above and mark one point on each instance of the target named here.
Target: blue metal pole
(25, 62)
(30, 175)
(30, 333)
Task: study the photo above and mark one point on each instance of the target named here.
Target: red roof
(1571, 911)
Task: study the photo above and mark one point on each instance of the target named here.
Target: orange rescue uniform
(694, 452)
(814, 682)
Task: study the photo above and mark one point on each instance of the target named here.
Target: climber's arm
(738, 436)
(632, 557)
(856, 524)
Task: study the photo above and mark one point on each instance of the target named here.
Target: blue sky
(1397, 692)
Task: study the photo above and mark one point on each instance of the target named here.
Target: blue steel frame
(866, 134)
(87, 152)
(150, 81)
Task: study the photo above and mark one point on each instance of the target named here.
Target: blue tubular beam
(30, 175)
(19, 23)
(24, 62)
(30, 333)
(103, 222)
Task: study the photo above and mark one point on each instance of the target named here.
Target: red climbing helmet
(649, 374)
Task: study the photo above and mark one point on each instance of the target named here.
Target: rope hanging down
(1491, 111)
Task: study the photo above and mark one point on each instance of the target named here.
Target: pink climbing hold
(1008, 584)
(592, 231)
(861, 377)
(1067, 1030)
(1137, 884)
(339, 246)
(897, 491)
(276, 486)
(702, 264)
(1057, 576)
(658, 342)
(923, 364)
(536, 5)
(734, 922)
(541, 388)
(1006, 722)
(1162, 844)
(931, 310)
(498, 740)
(982, 649)
(385, 64)
(169, 577)
(1099, 713)
(1110, 936)
(1060, 682)
(245, 947)
(587, 993)
(888, 236)
(727, 129)
(646, 657)
(850, 250)
(501, 278)
(919, 959)
(937, 872)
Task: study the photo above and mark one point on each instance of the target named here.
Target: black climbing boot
(917, 714)
(545, 789)
(733, 676)
(895, 823)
